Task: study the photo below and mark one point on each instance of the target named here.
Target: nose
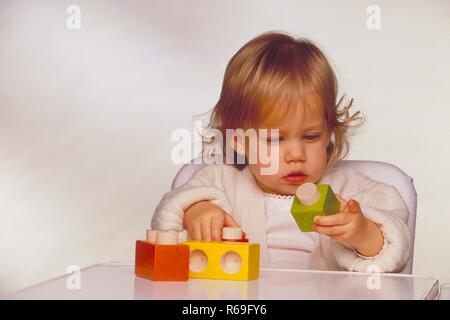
(295, 151)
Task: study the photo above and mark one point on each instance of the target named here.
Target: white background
(86, 115)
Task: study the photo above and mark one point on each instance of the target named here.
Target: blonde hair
(270, 75)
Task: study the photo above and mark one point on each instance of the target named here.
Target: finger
(229, 221)
(342, 201)
(216, 226)
(334, 231)
(353, 206)
(206, 230)
(197, 231)
(190, 232)
(337, 219)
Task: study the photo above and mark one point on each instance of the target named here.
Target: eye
(274, 139)
(312, 137)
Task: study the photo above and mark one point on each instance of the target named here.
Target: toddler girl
(287, 86)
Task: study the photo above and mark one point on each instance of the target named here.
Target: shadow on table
(196, 289)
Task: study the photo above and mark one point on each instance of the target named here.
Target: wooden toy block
(231, 234)
(312, 200)
(162, 258)
(223, 260)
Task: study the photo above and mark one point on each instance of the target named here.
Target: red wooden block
(162, 262)
(235, 240)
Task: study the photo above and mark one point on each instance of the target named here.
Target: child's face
(302, 142)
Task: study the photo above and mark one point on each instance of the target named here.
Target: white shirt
(237, 193)
(288, 246)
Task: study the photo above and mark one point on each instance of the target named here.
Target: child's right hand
(204, 221)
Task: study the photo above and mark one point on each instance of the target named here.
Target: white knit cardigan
(238, 194)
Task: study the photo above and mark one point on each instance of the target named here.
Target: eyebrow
(315, 126)
(312, 127)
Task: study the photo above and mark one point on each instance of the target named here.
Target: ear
(329, 134)
(330, 148)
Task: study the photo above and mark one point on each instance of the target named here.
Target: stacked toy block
(162, 257)
(233, 258)
(311, 200)
(165, 257)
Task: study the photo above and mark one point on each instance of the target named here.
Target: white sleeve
(382, 204)
(205, 184)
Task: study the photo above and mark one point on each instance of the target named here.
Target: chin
(293, 189)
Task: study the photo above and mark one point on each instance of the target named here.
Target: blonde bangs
(287, 103)
(284, 88)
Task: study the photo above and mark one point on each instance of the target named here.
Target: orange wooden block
(162, 262)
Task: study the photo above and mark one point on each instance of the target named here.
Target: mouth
(295, 177)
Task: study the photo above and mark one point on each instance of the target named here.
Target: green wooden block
(326, 205)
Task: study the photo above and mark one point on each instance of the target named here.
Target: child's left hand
(351, 227)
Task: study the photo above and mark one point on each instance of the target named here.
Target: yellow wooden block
(223, 260)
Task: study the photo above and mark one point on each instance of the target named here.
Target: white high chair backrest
(376, 170)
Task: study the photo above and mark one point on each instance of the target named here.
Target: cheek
(318, 150)
(266, 179)
(318, 159)
(270, 181)
(265, 155)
